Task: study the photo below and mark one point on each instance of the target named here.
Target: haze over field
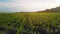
(29, 16)
(27, 5)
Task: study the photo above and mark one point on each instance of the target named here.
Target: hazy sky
(27, 5)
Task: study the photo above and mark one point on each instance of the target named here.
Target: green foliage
(30, 23)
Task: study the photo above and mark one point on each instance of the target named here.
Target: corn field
(29, 23)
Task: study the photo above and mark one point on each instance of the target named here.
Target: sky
(27, 5)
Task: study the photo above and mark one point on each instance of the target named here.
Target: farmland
(30, 23)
